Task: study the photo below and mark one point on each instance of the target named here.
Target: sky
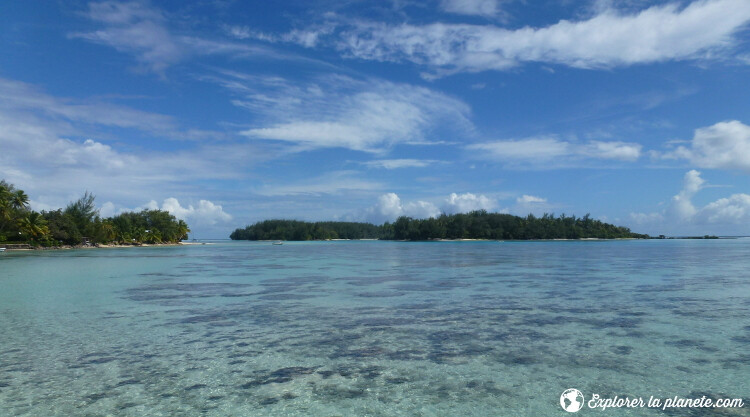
(229, 112)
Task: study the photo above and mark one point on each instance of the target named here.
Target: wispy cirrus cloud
(702, 29)
(19, 96)
(400, 163)
(142, 30)
(49, 147)
(550, 151)
(486, 8)
(335, 111)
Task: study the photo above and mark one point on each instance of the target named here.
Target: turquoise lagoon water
(373, 328)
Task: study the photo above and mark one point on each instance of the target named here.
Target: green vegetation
(80, 223)
(298, 230)
(474, 225)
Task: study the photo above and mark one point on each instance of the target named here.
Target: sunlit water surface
(372, 328)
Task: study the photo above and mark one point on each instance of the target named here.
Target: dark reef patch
(622, 350)
(279, 376)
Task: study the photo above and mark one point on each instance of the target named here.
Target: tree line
(299, 230)
(79, 222)
(474, 225)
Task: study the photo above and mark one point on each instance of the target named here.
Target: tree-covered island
(80, 223)
(474, 225)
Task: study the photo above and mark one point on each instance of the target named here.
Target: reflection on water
(377, 328)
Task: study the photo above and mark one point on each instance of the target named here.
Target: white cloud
(49, 148)
(527, 203)
(543, 149)
(530, 199)
(399, 163)
(612, 150)
(702, 29)
(729, 215)
(389, 207)
(18, 96)
(725, 145)
(464, 203)
(141, 30)
(205, 213)
(308, 37)
(364, 115)
(486, 8)
(136, 28)
(734, 209)
(682, 205)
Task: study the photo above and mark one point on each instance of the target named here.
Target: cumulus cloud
(730, 215)
(733, 209)
(682, 205)
(46, 149)
(543, 149)
(464, 203)
(702, 29)
(725, 145)
(205, 213)
(389, 207)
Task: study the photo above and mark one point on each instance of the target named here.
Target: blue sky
(228, 112)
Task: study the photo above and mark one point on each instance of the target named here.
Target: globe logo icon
(571, 400)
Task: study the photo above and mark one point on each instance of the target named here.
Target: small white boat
(2, 249)
(277, 243)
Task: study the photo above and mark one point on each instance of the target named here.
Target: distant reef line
(475, 225)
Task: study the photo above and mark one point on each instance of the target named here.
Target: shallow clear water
(372, 328)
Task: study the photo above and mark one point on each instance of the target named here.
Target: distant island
(79, 224)
(474, 225)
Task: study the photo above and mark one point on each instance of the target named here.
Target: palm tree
(33, 225)
(5, 210)
(107, 231)
(139, 235)
(6, 214)
(182, 230)
(4, 192)
(153, 236)
(19, 200)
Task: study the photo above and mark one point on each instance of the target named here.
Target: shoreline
(443, 240)
(25, 247)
